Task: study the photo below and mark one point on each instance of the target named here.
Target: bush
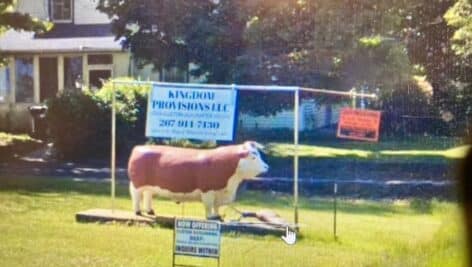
(421, 205)
(80, 123)
(409, 110)
(131, 107)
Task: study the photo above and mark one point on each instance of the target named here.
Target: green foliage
(421, 205)
(374, 41)
(456, 107)
(329, 44)
(459, 17)
(131, 104)
(78, 126)
(409, 110)
(268, 42)
(131, 108)
(189, 143)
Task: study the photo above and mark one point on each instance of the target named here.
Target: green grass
(12, 145)
(37, 228)
(315, 151)
(7, 139)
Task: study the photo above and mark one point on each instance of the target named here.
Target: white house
(80, 51)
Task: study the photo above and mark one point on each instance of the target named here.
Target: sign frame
(191, 221)
(228, 135)
(363, 129)
(295, 90)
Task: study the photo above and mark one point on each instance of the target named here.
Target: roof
(62, 38)
(69, 30)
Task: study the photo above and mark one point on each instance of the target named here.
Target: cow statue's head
(250, 163)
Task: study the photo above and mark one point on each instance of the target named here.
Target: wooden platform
(129, 218)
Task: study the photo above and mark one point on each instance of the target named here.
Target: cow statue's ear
(255, 145)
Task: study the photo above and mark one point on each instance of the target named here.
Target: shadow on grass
(263, 200)
(285, 201)
(27, 185)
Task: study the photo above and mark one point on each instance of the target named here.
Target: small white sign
(184, 112)
(197, 238)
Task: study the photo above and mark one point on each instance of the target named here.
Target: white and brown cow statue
(211, 176)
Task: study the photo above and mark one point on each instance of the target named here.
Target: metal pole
(339, 93)
(335, 192)
(295, 155)
(173, 243)
(353, 96)
(113, 147)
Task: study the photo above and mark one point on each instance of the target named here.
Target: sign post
(196, 238)
(113, 147)
(295, 155)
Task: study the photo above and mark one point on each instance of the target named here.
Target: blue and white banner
(183, 112)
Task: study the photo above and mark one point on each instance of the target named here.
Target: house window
(100, 68)
(73, 73)
(104, 59)
(24, 91)
(4, 84)
(98, 77)
(61, 10)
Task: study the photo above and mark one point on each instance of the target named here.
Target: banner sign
(197, 238)
(184, 112)
(359, 124)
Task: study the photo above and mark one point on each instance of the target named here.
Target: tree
(10, 19)
(459, 17)
(459, 98)
(173, 33)
(315, 43)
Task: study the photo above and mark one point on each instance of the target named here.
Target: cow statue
(211, 176)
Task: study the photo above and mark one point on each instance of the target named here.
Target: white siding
(85, 12)
(147, 73)
(283, 119)
(312, 116)
(121, 63)
(36, 8)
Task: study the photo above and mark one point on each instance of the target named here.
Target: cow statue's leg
(209, 201)
(147, 199)
(136, 197)
(216, 210)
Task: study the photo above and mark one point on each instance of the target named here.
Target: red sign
(359, 124)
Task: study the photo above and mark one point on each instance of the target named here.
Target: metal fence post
(295, 155)
(113, 147)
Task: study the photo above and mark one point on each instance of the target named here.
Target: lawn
(12, 144)
(317, 151)
(38, 228)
